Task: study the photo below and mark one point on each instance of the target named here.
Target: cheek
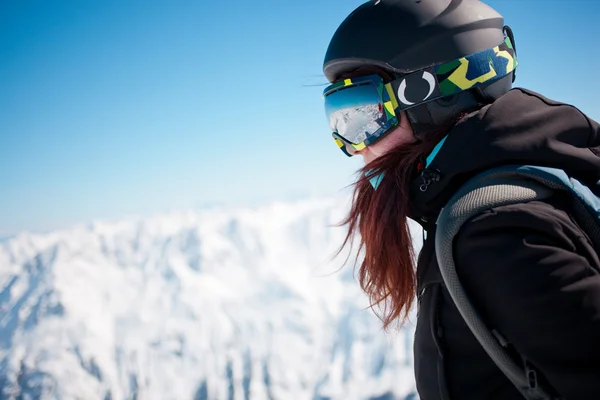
(379, 148)
(387, 143)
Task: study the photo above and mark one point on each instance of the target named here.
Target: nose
(353, 151)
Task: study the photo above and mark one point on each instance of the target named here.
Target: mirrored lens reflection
(355, 113)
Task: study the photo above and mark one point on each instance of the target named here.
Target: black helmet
(403, 36)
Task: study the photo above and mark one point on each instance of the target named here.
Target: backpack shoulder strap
(491, 189)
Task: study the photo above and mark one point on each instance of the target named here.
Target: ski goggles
(362, 109)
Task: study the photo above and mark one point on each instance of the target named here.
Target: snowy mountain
(362, 120)
(223, 304)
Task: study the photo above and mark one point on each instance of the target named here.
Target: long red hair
(379, 217)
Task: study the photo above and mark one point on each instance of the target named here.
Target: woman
(422, 90)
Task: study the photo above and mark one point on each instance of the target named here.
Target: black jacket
(528, 268)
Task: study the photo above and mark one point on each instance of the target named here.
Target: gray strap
(475, 197)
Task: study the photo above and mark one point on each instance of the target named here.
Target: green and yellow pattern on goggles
(362, 109)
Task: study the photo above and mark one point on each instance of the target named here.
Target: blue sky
(112, 108)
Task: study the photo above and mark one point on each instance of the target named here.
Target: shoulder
(521, 231)
(527, 109)
(551, 218)
(522, 251)
(522, 116)
(531, 98)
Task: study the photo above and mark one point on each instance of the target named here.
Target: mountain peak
(218, 304)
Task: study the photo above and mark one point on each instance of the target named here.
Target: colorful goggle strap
(438, 81)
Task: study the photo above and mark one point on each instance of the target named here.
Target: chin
(367, 158)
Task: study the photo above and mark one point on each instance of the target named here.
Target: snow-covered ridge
(362, 121)
(222, 304)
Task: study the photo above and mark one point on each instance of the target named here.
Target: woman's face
(401, 134)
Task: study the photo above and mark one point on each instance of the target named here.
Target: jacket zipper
(419, 300)
(420, 297)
